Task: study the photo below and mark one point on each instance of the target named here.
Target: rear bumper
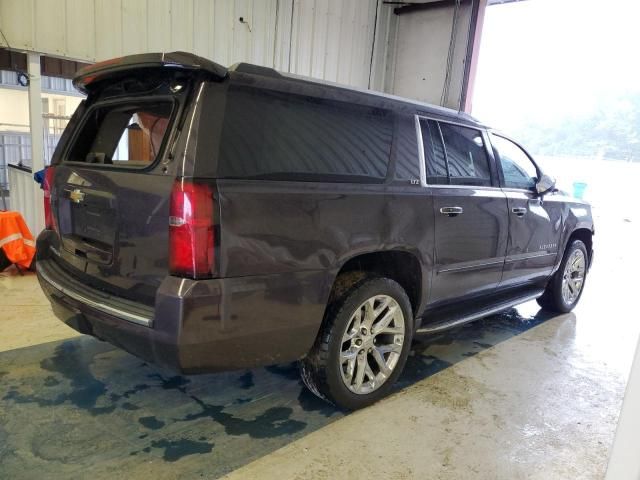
(199, 326)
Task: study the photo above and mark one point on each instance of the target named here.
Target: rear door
(111, 192)
(470, 211)
(535, 222)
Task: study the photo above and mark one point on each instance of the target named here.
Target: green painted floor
(80, 408)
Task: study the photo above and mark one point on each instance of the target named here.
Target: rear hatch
(113, 175)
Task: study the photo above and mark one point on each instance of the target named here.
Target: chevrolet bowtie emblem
(76, 196)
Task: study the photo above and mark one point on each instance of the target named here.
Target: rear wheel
(362, 346)
(565, 288)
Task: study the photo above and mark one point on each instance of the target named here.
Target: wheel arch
(401, 266)
(585, 235)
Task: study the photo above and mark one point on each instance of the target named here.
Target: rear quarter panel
(276, 227)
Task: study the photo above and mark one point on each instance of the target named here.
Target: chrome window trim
(128, 316)
(423, 165)
(467, 187)
(421, 156)
(518, 190)
(452, 122)
(491, 131)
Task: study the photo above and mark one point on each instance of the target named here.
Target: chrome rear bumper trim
(116, 312)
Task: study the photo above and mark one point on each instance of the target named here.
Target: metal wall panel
(80, 28)
(202, 31)
(16, 21)
(181, 31)
(282, 40)
(108, 28)
(423, 41)
(134, 29)
(159, 24)
(22, 199)
(49, 25)
(333, 40)
(327, 39)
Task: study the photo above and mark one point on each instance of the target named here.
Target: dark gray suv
(206, 218)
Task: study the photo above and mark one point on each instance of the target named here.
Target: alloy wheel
(573, 277)
(372, 344)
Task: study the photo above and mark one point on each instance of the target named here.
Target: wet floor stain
(151, 422)
(82, 403)
(246, 381)
(177, 449)
(51, 382)
(177, 382)
(273, 422)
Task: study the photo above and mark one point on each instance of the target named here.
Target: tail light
(47, 185)
(191, 230)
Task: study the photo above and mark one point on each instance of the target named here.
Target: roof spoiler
(181, 60)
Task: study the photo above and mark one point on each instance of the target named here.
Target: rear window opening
(122, 135)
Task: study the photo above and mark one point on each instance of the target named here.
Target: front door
(535, 222)
(470, 212)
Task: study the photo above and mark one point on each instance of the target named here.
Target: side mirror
(545, 184)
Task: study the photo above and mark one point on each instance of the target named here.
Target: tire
(325, 369)
(553, 299)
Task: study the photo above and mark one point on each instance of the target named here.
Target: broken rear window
(122, 135)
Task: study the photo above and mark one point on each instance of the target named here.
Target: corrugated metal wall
(23, 199)
(328, 39)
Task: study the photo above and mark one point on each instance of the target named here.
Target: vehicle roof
(420, 107)
(190, 61)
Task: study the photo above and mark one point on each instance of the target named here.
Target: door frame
(496, 186)
(531, 194)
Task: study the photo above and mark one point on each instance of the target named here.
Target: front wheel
(565, 287)
(362, 346)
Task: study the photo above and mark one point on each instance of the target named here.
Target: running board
(495, 308)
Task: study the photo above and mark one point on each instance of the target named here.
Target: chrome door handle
(451, 211)
(520, 212)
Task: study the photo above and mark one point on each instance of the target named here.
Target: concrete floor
(518, 395)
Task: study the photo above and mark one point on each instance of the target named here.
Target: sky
(547, 60)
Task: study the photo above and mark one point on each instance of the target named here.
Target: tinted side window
(406, 150)
(466, 155)
(517, 169)
(434, 153)
(272, 135)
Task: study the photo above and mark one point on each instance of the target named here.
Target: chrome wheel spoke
(351, 367)
(348, 355)
(369, 313)
(390, 348)
(384, 303)
(382, 363)
(369, 374)
(391, 331)
(362, 365)
(384, 321)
